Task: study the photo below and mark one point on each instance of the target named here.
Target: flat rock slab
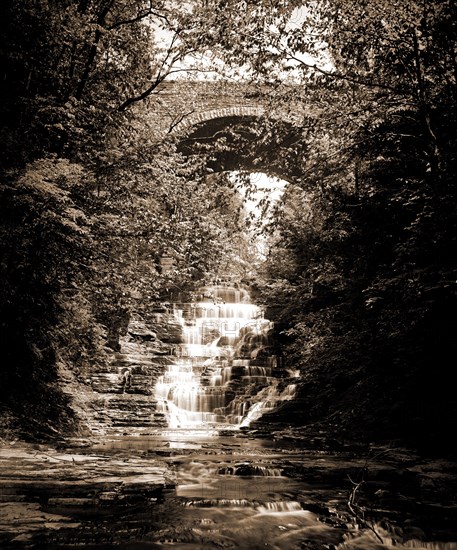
(43, 490)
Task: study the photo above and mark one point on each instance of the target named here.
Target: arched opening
(250, 143)
(259, 158)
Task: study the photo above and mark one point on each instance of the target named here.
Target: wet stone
(135, 482)
(47, 493)
(183, 488)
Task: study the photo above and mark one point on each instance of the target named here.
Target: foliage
(89, 198)
(45, 247)
(366, 277)
(361, 102)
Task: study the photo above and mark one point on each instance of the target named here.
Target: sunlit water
(246, 493)
(230, 490)
(224, 372)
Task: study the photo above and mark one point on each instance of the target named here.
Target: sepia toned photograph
(228, 274)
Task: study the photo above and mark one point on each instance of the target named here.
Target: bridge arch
(244, 138)
(221, 113)
(232, 124)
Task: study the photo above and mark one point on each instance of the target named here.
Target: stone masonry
(180, 104)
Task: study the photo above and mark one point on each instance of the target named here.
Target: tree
(45, 312)
(365, 301)
(73, 73)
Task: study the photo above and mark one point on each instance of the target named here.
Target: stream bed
(197, 489)
(172, 462)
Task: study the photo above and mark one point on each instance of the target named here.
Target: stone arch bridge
(180, 104)
(199, 110)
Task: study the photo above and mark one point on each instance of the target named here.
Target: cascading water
(224, 371)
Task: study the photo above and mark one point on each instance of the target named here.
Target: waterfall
(224, 372)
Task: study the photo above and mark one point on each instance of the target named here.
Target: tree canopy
(361, 262)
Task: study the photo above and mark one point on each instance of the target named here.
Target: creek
(194, 489)
(202, 480)
(249, 493)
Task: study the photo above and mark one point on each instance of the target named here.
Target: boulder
(140, 331)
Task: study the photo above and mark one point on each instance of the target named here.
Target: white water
(239, 492)
(224, 372)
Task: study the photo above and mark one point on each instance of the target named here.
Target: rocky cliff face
(119, 395)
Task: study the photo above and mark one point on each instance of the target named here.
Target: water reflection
(240, 492)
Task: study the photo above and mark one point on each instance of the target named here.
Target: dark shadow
(253, 144)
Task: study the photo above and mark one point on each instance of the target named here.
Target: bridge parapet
(180, 104)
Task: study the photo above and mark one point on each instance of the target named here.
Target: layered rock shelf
(53, 492)
(56, 497)
(178, 488)
(121, 397)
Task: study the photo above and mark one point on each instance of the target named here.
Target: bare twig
(356, 510)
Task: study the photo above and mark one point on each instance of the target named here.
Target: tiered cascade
(225, 371)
